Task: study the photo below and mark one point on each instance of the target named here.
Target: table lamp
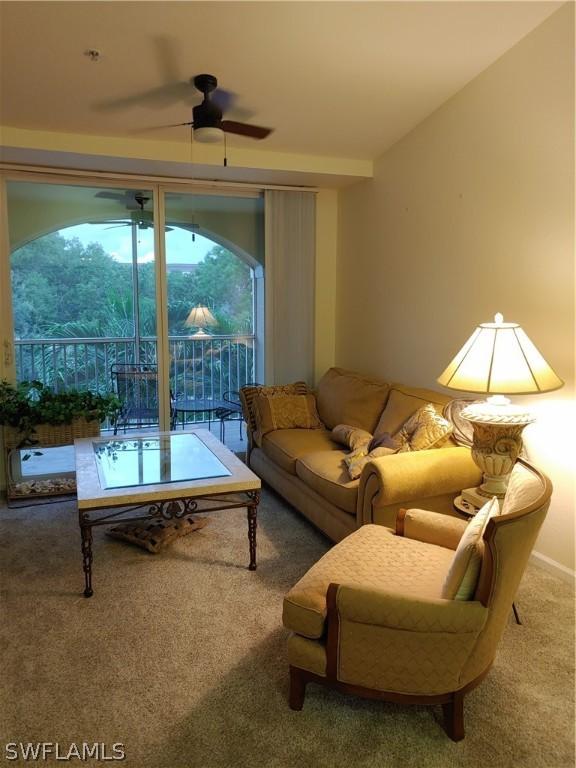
(498, 359)
(200, 317)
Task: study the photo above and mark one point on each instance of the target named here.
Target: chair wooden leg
(454, 716)
(297, 689)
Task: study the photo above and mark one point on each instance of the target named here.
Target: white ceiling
(340, 79)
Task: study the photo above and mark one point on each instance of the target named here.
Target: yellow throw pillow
(424, 429)
(462, 576)
(285, 412)
(249, 393)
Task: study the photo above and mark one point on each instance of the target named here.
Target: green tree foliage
(223, 282)
(62, 289)
(56, 281)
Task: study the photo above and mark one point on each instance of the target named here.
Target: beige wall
(469, 214)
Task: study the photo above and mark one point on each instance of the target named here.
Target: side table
(464, 507)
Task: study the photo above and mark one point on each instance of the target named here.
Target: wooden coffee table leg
(252, 524)
(86, 533)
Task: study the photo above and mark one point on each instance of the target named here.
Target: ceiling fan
(207, 119)
(129, 197)
(135, 204)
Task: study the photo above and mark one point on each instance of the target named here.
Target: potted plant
(32, 414)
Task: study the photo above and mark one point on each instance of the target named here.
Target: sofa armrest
(413, 478)
(386, 608)
(431, 527)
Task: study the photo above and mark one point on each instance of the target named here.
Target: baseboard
(559, 570)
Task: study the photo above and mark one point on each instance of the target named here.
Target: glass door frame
(124, 182)
(162, 342)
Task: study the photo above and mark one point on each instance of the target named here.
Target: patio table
(201, 405)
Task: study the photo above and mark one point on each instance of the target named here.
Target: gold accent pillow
(285, 412)
(424, 429)
(462, 577)
(249, 393)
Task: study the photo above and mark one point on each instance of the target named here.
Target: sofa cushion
(345, 397)
(403, 402)
(372, 556)
(325, 472)
(285, 446)
(284, 412)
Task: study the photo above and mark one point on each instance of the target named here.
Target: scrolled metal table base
(165, 509)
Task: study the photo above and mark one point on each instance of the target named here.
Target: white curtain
(289, 285)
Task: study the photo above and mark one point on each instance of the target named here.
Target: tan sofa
(306, 467)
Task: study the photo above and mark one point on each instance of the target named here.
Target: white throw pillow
(462, 576)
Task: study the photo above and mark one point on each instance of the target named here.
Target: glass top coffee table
(166, 475)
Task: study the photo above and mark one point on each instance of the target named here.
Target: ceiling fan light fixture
(208, 135)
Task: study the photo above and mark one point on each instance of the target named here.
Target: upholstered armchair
(369, 618)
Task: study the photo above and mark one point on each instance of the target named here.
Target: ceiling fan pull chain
(225, 151)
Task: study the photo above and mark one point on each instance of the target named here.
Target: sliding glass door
(213, 246)
(101, 299)
(83, 285)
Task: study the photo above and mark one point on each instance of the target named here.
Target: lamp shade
(500, 359)
(201, 317)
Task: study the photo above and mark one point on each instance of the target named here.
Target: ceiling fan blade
(224, 100)
(227, 103)
(244, 129)
(168, 57)
(118, 224)
(161, 97)
(127, 196)
(108, 221)
(151, 128)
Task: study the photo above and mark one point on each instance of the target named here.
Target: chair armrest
(384, 608)
(410, 479)
(386, 641)
(431, 527)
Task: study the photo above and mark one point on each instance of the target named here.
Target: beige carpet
(181, 657)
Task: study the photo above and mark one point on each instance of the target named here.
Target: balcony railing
(201, 367)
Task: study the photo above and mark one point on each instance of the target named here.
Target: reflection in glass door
(101, 300)
(213, 254)
(83, 291)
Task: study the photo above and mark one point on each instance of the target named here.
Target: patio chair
(136, 385)
(233, 410)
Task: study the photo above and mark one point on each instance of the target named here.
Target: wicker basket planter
(44, 436)
(37, 461)
(52, 434)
